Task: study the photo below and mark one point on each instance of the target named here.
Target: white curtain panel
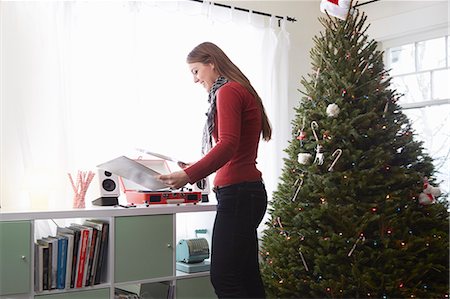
(276, 100)
(85, 82)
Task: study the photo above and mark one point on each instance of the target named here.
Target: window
(85, 82)
(421, 72)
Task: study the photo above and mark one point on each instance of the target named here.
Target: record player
(200, 186)
(137, 194)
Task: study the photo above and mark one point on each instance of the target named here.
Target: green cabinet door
(195, 288)
(86, 294)
(15, 257)
(143, 247)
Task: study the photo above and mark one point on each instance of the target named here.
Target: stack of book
(124, 294)
(76, 257)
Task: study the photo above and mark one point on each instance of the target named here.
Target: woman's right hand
(183, 165)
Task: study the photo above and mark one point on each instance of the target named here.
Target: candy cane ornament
(315, 125)
(303, 259)
(298, 189)
(282, 231)
(338, 154)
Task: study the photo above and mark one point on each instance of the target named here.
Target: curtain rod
(290, 19)
(361, 4)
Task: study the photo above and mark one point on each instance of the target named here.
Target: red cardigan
(237, 131)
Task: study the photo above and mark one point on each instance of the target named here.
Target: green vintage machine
(191, 255)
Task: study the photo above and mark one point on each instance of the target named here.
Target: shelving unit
(141, 252)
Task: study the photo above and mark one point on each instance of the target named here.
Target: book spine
(96, 255)
(84, 239)
(62, 259)
(37, 269)
(52, 261)
(76, 249)
(69, 260)
(45, 268)
(103, 253)
(86, 260)
(91, 256)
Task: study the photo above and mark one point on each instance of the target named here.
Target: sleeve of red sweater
(228, 125)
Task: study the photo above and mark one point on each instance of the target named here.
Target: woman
(236, 119)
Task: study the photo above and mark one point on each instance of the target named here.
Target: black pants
(234, 259)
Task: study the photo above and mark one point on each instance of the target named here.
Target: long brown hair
(208, 52)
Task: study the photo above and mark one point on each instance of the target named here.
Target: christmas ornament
(326, 135)
(319, 155)
(282, 231)
(333, 110)
(303, 259)
(317, 77)
(304, 158)
(386, 106)
(315, 125)
(360, 239)
(338, 154)
(298, 188)
(302, 134)
(429, 194)
(335, 8)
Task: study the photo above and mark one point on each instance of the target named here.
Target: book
(38, 268)
(46, 263)
(45, 266)
(124, 294)
(70, 235)
(83, 250)
(91, 255)
(75, 251)
(98, 232)
(62, 261)
(53, 260)
(100, 271)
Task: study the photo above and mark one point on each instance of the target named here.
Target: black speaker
(203, 187)
(109, 189)
(106, 201)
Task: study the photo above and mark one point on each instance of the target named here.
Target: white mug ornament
(304, 158)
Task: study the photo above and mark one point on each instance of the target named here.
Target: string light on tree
(349, 212)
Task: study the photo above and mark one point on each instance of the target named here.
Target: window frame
(432, 102)
(386, 45)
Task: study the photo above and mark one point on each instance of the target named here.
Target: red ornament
(301, 135)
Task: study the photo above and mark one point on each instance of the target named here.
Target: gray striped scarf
(211, 115)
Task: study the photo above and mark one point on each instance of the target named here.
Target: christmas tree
(350, 217)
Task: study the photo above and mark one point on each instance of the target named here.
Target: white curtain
(85, 82)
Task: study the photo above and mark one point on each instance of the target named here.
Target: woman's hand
(183, 164)
(174, 180)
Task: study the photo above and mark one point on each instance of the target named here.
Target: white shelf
(181, 274)
(110, 213)
(99, 212)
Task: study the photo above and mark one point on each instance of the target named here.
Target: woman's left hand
(174, 180)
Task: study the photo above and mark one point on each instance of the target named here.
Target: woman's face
(205, 74)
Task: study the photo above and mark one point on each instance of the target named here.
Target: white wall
(406, 19)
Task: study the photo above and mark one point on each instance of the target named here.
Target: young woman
(235, 120)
